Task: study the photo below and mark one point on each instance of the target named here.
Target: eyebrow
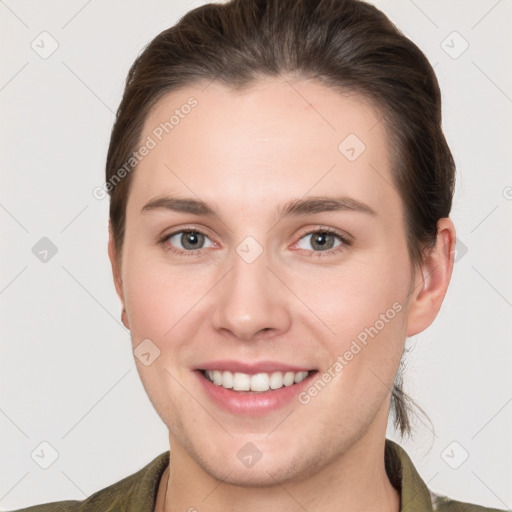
(297, 207)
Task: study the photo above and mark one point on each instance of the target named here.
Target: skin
(247, 154)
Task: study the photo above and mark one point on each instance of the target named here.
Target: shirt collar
(414, 494)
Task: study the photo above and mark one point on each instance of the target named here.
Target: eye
(185, 241)
(323, 240)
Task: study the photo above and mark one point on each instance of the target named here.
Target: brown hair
(346, 44)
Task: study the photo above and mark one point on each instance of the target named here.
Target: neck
(354, 482)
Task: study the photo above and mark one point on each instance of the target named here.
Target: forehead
(274, 140)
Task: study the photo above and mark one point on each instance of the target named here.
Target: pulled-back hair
(348, 45)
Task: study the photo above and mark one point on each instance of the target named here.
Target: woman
(279, 224)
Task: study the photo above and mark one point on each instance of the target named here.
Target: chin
(262, 474)
(250, 467)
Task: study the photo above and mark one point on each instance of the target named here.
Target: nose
(251, 302)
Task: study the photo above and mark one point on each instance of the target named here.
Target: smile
(253, 394)
(258, 382)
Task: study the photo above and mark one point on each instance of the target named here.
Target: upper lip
(253, 367)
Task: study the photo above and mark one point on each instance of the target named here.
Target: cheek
(364, 306)
(160, 296)
(354, 296)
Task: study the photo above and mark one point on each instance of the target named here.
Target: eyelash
(329, 252)
(314, 254)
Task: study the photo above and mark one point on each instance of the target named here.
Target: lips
(253, 367)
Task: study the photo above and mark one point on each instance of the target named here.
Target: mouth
(253, 388)
(255, 383)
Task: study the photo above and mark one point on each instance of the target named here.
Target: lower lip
(252, 404)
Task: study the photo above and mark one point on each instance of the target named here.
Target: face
(263, 235)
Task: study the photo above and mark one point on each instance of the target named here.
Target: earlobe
(432, 280)
(116, 273)
(124, 319)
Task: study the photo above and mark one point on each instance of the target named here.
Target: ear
(432, 280)
(116, 273)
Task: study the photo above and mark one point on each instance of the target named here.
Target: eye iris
(191, 239)
(322, 241)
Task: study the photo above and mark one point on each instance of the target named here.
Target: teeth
(288, 378)
(217, 377)
(241, 382)
(227, 380)
(259, 382)
(276, 380)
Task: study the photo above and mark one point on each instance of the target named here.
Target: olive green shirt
(137, 492)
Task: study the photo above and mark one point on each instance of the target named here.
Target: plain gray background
(67, 373)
